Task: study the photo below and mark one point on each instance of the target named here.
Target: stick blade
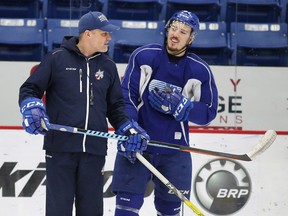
(265, 142)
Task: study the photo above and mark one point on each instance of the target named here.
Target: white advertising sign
(220, 186)
(250, 98)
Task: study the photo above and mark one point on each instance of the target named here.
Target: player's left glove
(171, 102)
(137, 140)
(33, 111)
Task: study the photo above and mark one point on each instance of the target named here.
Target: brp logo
(222, 186)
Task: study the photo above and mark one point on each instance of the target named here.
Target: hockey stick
(138, 155)
(168, 184)
(263, 144)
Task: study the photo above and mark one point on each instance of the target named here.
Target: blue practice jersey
(189, 73)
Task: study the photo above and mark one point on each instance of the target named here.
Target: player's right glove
(137, 140)
(172, 102)
(33, 111)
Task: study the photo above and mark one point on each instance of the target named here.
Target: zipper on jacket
(80, 78)
(87, 103)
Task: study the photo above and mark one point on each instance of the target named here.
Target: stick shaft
(168, 184)
(87, 132)
(243, 157)
(268, 138)
(151, 142)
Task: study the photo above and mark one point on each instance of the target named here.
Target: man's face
(179, 36)
(99, 40)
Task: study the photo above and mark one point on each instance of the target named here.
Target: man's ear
(190, 40)
(88, 33)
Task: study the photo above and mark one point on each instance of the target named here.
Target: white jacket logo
(99, 74)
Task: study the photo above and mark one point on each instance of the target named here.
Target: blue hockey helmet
(186, 17)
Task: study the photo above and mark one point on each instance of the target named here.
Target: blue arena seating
(134, 34)
(57, 29)
(211, 43)
(206, 10)
(21, 39)
(216, 42)
(70, 9)
(135, 9)
(284, 10)
(260, 11)
(20, 9)
(259, 44)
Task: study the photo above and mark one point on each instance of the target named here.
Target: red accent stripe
(229, 130)
(192, 129)
(11, 128)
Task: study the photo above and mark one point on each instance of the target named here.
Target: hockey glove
(33, 110)
(137, 140)
(171, 102)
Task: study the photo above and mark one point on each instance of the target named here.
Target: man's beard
(175, 51)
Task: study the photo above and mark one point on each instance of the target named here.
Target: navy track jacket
(80, 92)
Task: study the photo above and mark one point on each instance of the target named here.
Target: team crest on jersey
(99, 74)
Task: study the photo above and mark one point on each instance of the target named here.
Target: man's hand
(33, 110)
(137, 140)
